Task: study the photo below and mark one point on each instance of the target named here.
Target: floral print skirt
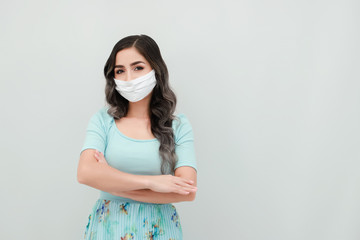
(115, 219)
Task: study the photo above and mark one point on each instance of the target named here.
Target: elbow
(81, 176)
(86, 166)
(191, 196)
(80, 179)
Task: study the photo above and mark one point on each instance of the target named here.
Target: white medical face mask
(136, 89)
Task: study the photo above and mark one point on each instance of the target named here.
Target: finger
(188, 181)
(183, 192)
(100, 159)
(188, 187)
(185, 184)
(184, 180)
(186, 190)
(97, 153)
(191, 189)
(100, 156)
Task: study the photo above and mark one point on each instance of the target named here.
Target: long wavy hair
(163, 99)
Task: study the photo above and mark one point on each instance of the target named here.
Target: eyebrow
(132, 64)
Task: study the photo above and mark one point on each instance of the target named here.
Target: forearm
(109, 179)
(147, 195)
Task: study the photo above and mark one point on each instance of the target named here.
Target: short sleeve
(95, 137)
(184, 143)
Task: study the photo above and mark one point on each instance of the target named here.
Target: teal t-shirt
(135, 156)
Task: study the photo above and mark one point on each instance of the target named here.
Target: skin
(136, 124)
(187, 193)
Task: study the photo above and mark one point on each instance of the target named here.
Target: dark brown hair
(163, 99)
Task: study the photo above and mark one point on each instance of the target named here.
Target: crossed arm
(150, 196)
(147, 195)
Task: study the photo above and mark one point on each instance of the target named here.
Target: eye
(139, 68)
(119, 71)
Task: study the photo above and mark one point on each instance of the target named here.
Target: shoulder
(102, 117)
(103, 113)
(181, 126)
(180, 121)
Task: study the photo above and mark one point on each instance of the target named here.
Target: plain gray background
(270, 87)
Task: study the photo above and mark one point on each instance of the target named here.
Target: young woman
(137, 152)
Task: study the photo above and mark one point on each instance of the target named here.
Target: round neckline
(129, 138)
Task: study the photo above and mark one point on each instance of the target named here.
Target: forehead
(128, 56)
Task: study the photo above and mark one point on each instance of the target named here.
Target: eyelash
(140, 68)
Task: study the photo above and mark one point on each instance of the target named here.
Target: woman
(137, 152)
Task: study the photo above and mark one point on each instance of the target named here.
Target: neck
(139, 109)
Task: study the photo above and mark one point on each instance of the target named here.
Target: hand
(100, 158)
(169, 183)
